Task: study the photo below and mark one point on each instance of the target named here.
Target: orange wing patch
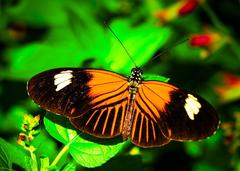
(106, 87)
(159, 90)
(106, 122)
(109, 96)
(150, 103)
(108, 93)
(101, 77)
(152, 98)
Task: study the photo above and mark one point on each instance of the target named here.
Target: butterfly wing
(145, 130)
(93, 100)
(178, 114)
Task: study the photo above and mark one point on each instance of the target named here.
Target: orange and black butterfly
(106, 105)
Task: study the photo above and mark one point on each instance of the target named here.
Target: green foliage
(139, 48)
(70, 166)
(81, 48)
(41, 34)
(10, 153)
(13, 118)
(5, 162)
(155, 77)
(86, 153)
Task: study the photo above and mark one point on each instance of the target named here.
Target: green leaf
(70, 166)
(85, 152)
(90, 154)
(12, 153)
(34, 58)
(141, 42)
(57, 128)
(155, 77)
(5, 161)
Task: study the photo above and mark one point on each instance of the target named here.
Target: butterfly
(106, 104)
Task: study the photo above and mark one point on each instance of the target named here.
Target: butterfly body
(134, 82)
(106, 105)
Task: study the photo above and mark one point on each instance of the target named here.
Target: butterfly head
(136, 75)
(137, 71)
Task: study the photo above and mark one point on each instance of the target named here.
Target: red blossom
(188, 7)
(22, 136)
(201, 40)
(231, 80)
(229, 90)
(178, 9)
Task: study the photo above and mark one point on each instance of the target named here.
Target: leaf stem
(60, 154)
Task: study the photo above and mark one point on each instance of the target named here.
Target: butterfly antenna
(167, 49)
(120, 43)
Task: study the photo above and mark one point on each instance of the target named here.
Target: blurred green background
(39, 35)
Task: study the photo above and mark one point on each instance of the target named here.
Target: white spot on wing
(63, 79)
(192, 106)
(63, 84)
(63, 73)
(189, 111)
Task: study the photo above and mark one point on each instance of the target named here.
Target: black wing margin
(189, 117)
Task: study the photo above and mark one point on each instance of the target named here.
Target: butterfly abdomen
(127, 125)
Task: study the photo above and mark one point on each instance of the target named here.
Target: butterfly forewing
(93, 100)
(181, 115)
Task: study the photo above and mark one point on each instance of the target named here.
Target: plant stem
(236, 144)
(214, 18)
(34, 165)
(60, 154)
(44, 163)
(219, 25)
(235, 48)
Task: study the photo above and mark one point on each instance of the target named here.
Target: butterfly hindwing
(145, 131)
(106, 121)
